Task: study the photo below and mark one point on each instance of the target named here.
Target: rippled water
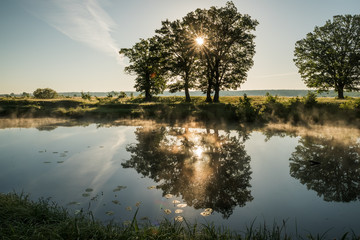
(309, 178)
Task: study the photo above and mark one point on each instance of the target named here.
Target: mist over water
(308, 176)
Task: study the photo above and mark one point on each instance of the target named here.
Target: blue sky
(72, 45)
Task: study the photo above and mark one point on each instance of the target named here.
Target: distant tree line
(212, 50)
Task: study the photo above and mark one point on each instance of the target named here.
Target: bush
(45, 93)
(246, 111)
(85, 96)
(270, 99)
(122, 95)
(310, 99)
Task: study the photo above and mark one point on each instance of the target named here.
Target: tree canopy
(147, 63)
(179, 47)
(329, 57)
(208, 49)
(227, 47)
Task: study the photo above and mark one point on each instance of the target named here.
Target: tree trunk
(208, 95)
(208, 91)
(147, 87)
(147, 95)
(187, 93)
(217, 93)
(340, 93)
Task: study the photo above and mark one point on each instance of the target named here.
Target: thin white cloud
(81, 20)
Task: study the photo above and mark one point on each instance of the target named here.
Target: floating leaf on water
(41, 151)
(47, 162)
(167, 211)
(208, 210)
(55, 152)
(175, 201)
(85, 194)
(137, 204)
(116, 202)
(179, 218)
(73, 203)
(60, 161)
(126, 223)
(205, 214)
(128, 208)
(181, 205)
(151, 187)
(119, 188)
(144, 218)
(77, 212)
(179, 211)
(168, 196)
(109, 213)
(89, 190)
(66, 151)
(62, 155)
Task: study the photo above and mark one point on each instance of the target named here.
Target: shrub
(245, 110)
(310, 99)
(270, 99)
(122, 95)
(85, 96)
(45, 93)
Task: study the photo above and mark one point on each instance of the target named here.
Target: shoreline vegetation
(231, 109)
(23, 218)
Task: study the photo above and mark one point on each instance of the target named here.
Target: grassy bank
(305, 110)
(25, 219)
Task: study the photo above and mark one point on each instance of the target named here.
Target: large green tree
(147, 63)
(329, 57)
(179, 46)
(226, 45)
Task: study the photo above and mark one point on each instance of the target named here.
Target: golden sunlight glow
(199, 41)
(198, 152)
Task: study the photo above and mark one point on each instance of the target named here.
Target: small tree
(45, 93)
(329, 57)
(147, 63)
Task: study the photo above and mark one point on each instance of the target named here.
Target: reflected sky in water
(263, 174)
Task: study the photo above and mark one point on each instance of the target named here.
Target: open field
(259, 109)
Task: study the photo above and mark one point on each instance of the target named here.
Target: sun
(199, 41)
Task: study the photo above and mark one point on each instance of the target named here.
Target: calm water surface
(309, 179)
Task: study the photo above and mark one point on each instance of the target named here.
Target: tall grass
(21, 218)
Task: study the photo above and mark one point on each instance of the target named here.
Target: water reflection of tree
(208, 169)
(328, 166)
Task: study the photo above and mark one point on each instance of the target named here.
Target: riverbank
(22, 218)
(255, 109)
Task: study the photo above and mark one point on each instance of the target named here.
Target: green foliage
(25, 95)
(148, 64)
(228, 48)
(329, 56)
(45, 93)
(26, 219)
(123, 95)
(246, 110)
(86, 96)
(310, 99)
(179, 42)
(270, 99)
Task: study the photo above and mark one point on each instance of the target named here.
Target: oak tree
(329, 57)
